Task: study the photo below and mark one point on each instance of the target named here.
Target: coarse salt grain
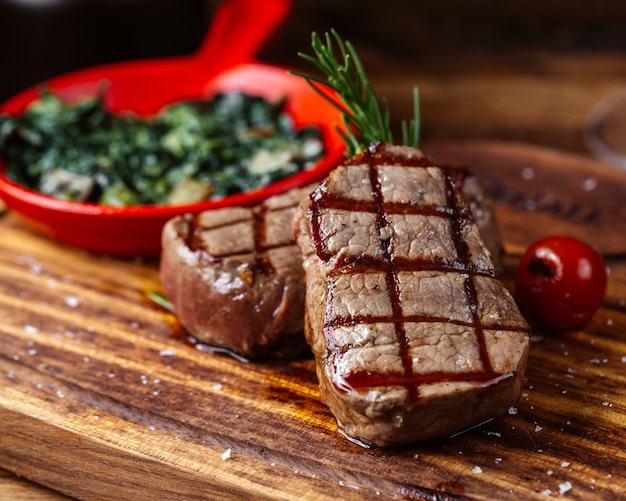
(31, 329)
(477, 470)
(72, 301)
(226, 454)
(565, 487)
(167, 353)
(528, 173)
(590, 184)
(565, 464)
(512, 410)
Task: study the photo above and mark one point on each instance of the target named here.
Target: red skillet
(224, 61)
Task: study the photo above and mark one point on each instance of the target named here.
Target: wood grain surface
(103, 397)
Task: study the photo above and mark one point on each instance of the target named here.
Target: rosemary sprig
(365, 116)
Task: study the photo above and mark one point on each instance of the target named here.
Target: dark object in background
(40, 40)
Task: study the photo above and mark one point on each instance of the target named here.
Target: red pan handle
(238, 30)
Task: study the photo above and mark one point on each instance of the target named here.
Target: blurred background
(514, 70)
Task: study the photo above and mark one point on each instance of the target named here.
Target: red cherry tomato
(560, 282)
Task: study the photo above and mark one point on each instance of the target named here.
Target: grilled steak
(234, 277)
(414, 336)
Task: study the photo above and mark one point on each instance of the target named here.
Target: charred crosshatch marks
(385, 311)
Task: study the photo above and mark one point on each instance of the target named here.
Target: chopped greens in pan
(191, 151)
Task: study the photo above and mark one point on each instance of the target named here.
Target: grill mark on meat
(391, 278)
(338, 321)
(259, 222)
(457, 220)
(259, 228)
(362, 264)
(366, 379)
(391, 265)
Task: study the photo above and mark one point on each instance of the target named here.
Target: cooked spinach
(190, 151)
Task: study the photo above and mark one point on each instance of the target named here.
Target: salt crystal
(167, 353)
(72, 301)
(565, 464)
(32, 352)
(31, 329)
(217, 387)
(590, 184)
(564, 487)
(549, 472)
(528, 173)
(546, 492)
(226, 454)
(477, 470)
(60, 394)
(512, 410)
(538, 428)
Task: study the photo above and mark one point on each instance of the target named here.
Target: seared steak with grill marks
(234, 277)
(414, 336)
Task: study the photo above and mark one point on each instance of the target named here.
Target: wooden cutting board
(102, 397)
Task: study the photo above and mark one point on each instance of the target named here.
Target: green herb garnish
(366, 117)
(160, 299)
(190, 151)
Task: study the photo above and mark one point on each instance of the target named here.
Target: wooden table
(567, 436)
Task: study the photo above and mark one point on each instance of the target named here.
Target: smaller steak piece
(483, 211)
(414, 336)
(234, 277)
